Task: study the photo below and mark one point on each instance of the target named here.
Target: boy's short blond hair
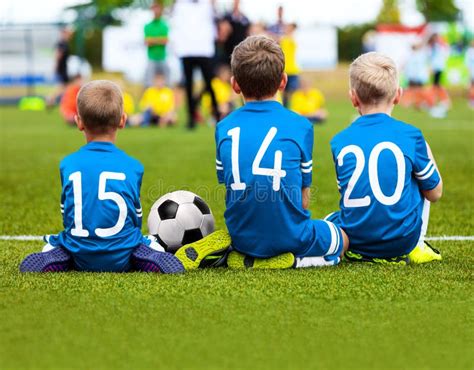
(257, 64)
(374, 78)
(100, 105)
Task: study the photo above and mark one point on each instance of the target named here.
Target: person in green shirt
(156, 38)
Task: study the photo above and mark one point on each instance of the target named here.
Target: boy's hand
(306, 192)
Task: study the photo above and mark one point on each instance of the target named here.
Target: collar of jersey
(99, 145)
(371, 118)
(261, 105)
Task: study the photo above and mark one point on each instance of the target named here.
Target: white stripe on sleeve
(428, 175)
(425, 170)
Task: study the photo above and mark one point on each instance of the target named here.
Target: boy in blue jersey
(264, 158)
(386, 172)
(100, 199)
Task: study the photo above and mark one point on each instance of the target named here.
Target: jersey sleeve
(137, 202)
(307, 157)
(219, 164)
(424, 168)
(63, 193)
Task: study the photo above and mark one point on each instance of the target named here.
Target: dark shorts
(293, 83)
(437, 78)
(62, 76)
(413, 83)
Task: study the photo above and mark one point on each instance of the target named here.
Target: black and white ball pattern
(180, 218)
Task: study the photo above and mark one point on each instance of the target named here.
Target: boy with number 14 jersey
(264, 158)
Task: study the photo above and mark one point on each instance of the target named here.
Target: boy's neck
(108, 137)
(251, 100)
(373, 109)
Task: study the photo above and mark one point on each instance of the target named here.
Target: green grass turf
(352, 316)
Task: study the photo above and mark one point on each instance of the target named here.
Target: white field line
(452, 238)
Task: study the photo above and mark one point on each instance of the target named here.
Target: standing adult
(156, 38)
(277, 29)
(239, 26)
(193, 31)
(439, 53)
(60, 64)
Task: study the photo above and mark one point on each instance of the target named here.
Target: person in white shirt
(193, 40)
(470, 66)
(439, 54)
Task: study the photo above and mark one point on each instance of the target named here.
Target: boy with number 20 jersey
(385, 170)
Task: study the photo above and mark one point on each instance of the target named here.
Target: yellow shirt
(222, 91)
(288, 45)
(128, 104)
(161, 101)
(307, 103)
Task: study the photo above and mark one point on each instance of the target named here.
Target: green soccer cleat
(356, 257)
(424, 253)
(238, 260)
(191, 255)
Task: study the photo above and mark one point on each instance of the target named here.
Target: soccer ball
(180, 218)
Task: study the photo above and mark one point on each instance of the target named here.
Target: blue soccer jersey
(100, 202)
(264, 158)
(381, 166)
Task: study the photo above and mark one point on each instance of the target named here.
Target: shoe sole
(192, 254)
(238, 260)
(56, 260)
(146, 259)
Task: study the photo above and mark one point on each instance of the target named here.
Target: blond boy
(386, 173)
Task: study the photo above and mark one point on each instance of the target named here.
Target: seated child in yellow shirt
(223, 91)
(309, 102)
(158, 104)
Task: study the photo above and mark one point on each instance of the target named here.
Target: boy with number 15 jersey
(100, 199)
(386, 172)
(264, 158)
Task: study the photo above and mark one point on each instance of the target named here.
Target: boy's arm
(434, 194)
(426, 171)
(306, 197)
(219, 164)
(306, 165)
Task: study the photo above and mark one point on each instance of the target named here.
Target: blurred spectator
(278, 29)
(157, 104)
(68, 105)
(439, 53)
(289, 46)
(417, 73)
(193, 41)
(60, 68)
(470, 66)
(239, 26)
(309, 102)
(156, 38)
(223, 90)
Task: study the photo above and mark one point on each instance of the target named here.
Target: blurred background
(45, 47)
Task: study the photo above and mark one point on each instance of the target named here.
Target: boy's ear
(79, 123)
(398, 96)
(354, 98)
(123, 121)
(235, 85)
(284, 81)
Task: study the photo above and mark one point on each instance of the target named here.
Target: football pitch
(351, 316)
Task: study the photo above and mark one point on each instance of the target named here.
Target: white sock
(315, 262)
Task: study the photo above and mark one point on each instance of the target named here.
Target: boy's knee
(345, 239)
